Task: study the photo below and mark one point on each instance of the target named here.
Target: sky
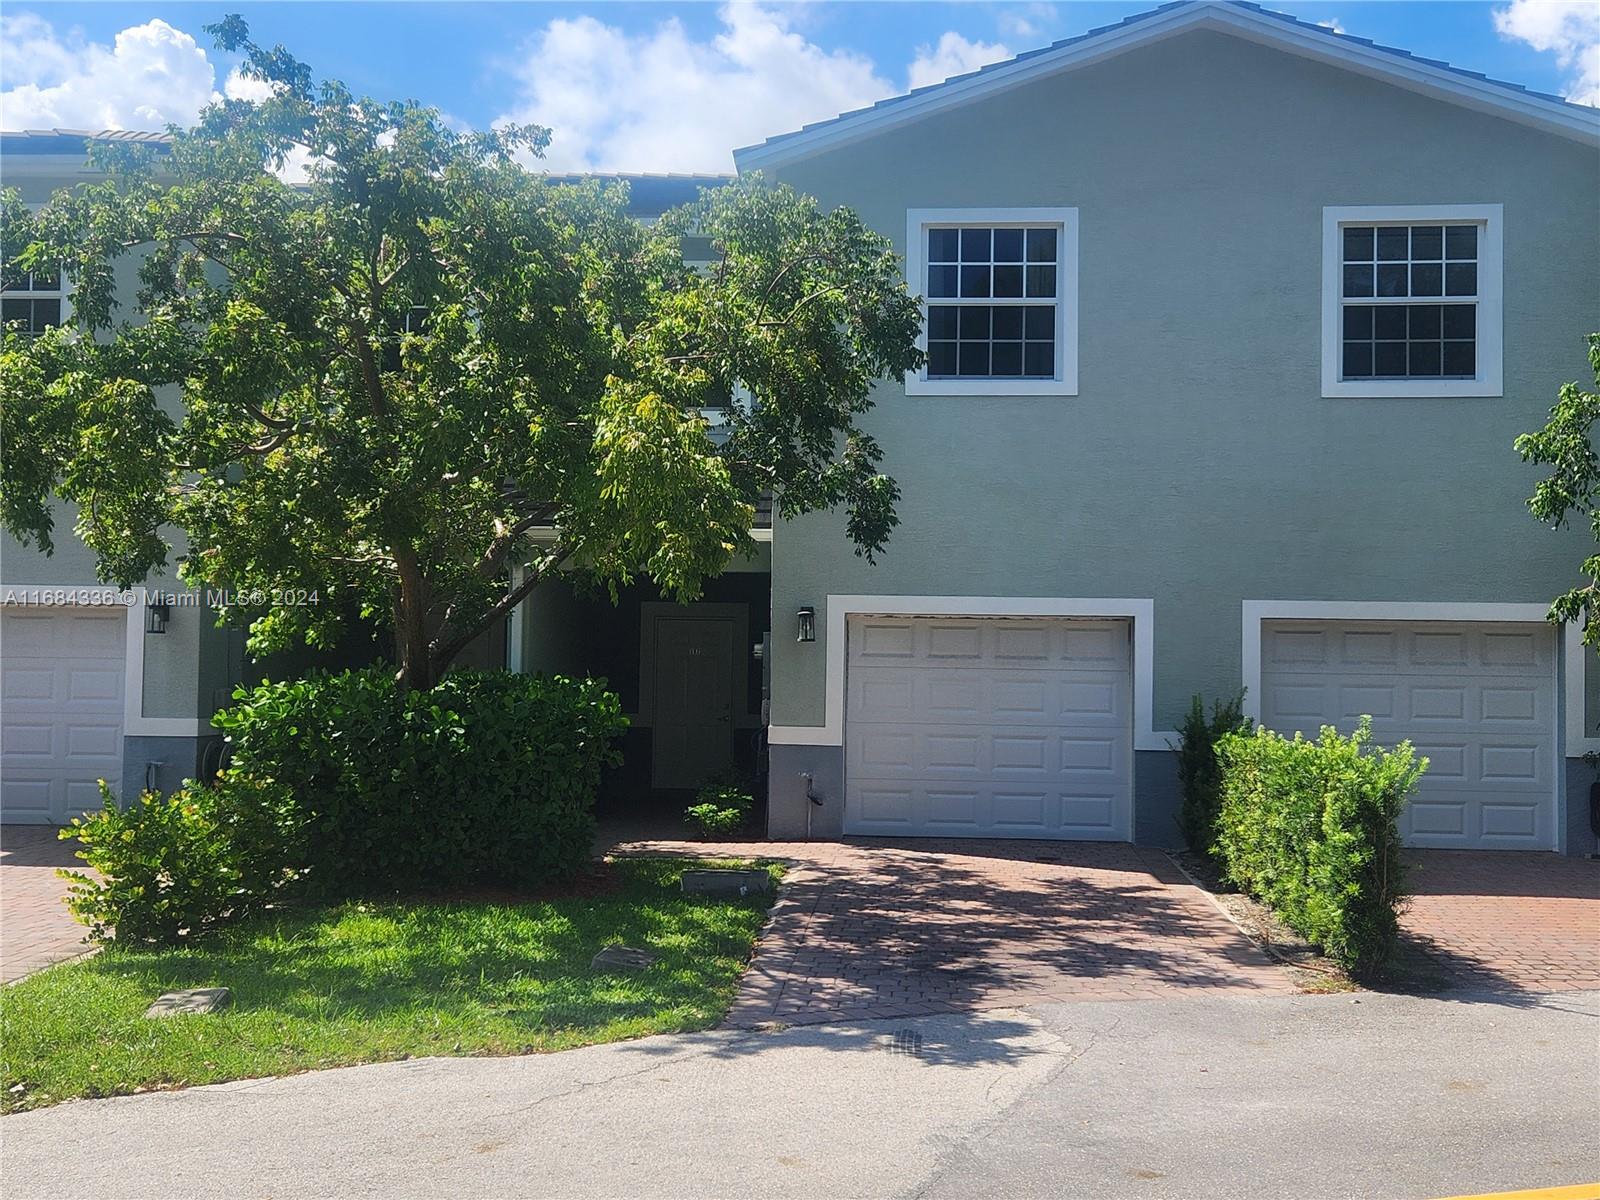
(662, 86)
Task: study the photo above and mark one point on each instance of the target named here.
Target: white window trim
(1140, 611)
(1066, 219)
(1491, 325)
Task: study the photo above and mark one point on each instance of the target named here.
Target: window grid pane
(986, 341)
(993, 293)
(1402, 261)
(1385, 268)
(1412, 341)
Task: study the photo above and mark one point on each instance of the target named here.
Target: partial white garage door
(959, 727)
(61, 680)
(1478, 699)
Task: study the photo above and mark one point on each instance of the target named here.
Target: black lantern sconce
(806, 624)
(156, 615)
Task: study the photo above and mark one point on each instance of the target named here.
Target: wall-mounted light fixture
(806, 624)
(156, 615)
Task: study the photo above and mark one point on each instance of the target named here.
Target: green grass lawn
(364, 982)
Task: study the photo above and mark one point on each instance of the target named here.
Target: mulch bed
(1310, 969)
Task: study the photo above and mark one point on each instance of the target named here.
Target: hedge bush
(487, 779)
(1310, 828)
(172, 867)
(1199, 775)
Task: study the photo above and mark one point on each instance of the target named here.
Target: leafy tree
(1565, 445)
(388, 385)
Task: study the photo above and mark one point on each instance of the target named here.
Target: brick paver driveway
(1504, 921)
(35, 927)
(871, 929)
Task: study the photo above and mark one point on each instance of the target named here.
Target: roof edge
(1237, 17)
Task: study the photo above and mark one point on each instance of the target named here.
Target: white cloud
(954, 55)
(1570, 30)
(662, 100)
(1027, 21)
(1334, 24)
(239, 86)
(151, 75)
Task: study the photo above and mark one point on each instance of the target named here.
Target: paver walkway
(873, 929)
(35, 927)
(1504, 921)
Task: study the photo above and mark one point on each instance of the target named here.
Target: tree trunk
(417, 671)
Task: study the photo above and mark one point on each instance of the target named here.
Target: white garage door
(960, 727)
(1478, 699)
(61, 679)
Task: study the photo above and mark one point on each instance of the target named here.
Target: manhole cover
(905, 1041)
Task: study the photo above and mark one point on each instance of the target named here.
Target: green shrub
(1199, 776)
(175, 866)
(488, 778)
(720, 809)
(1310, 828)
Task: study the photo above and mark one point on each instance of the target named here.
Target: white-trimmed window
(1000, 300)
(33, 301)
(1411, 301)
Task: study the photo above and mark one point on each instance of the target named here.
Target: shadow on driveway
(876, 929)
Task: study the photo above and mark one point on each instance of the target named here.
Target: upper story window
(1411, 300)
(30, 299)
(1000, 288)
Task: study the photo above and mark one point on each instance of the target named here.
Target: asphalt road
(1305, 1096)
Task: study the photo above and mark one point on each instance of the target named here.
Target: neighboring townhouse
(1231, 323)
(98, 684)
(94, 683)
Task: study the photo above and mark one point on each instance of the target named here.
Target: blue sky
(662, 86)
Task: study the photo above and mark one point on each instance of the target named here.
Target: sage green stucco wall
(1199, 464)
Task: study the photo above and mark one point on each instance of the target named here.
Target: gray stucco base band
(175, 759)
(1581, 840)
(1155, 782)
(786, 791)
(1156, 797)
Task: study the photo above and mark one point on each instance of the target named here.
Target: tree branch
(488, 566)
(794, 312)
(444, 651)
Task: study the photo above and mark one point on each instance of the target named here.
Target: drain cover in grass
(624, 958)
(194, 1000)
(716, 881)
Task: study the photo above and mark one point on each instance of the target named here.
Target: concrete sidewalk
(1200, 1096)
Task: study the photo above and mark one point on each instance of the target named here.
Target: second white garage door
(1478, 699)
(61, 680)
(958, 727)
